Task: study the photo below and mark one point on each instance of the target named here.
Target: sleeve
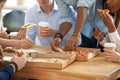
(65, 12)
(31, 32)
(106, 39)
(85, 3)
(114, 37)
(7, 73)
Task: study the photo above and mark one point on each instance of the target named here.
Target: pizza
(28, 25)
(105, 10)
(9, 50)
(19, 53)
(84, 54)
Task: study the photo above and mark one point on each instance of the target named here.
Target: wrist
(58, 35)
(14, 66)
(76, 34)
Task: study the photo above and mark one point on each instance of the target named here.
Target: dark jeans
(89, 42)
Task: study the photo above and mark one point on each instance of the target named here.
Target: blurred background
(13, 14)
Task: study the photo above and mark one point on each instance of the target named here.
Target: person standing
(86, 17)
(45, 11)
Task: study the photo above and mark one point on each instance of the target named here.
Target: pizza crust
(28, 25)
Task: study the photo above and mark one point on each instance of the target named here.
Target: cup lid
(43, 24)
(109, 44)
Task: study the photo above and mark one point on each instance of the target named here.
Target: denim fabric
(7, 73)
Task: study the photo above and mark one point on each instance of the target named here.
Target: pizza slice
(28, 25)
(59, 49)
(105, 10)
(19, 53)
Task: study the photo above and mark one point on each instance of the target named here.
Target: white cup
(110, 46)
(41, 26)
(13, 35)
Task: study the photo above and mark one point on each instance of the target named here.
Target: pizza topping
(105, 10)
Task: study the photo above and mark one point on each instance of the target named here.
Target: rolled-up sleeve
(65, 12)
(85, 3)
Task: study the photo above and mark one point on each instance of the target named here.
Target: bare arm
(81, 17)
(65, 27)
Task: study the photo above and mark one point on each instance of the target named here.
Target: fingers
(72, 43)
(3, 34)
(98, 34)
(1, 52)
(55, 44)
(27, 43)
(69, 45)
(22, 33)
(47, 32)
(109, 50)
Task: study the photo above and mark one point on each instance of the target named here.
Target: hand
(108, 20)
(1, 5)
(4, 35)
(72, 43)
(1, 52)
(20, 61)
(47, 32)
(111, 55)
(55, 44)
(98, 34)
(24, 43)
(22, 33)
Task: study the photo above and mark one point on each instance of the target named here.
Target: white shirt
(114, 37)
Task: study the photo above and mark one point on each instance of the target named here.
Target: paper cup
(110, 46)
(42, 25)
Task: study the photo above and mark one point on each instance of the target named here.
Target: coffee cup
(110, 46)
(42, 25)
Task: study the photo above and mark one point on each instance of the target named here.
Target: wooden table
(94, 69)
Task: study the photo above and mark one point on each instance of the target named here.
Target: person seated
(113, 30)
(15, 65)
(4, 37)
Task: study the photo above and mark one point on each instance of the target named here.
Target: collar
(55, 7)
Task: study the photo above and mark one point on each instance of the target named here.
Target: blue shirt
(7, 73)
(35, 15)
(93, 19)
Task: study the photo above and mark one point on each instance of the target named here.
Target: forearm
(81, 17)
(8, 43)
(111, 28)
(65, 27)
